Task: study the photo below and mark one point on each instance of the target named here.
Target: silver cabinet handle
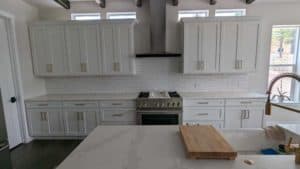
(49, 68)
(248, 114)
(43, 104)
(202, 114)
(46, 116)
(83, 67)
(246, 102)
(243, 114)
(118, 115)
(202, 102)
(80, 116)
(43, 116)
(80, 104)
(117, 104)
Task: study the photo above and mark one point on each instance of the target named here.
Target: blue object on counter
(269, 151)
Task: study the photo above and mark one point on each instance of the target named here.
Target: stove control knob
(157, 104)
(163, 105)
(173, 104)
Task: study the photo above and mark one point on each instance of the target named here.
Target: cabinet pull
(42, 116)
(248, 114)
(202, 102)
(79, 116)
(246, 102)
(83, 67)
(80, 104)
(117, 104)
(243, 114)
(49, 68)
(42, 104)
(202, 114)
(220, 114)
(116, 66)
(46, 116)
(118, 115)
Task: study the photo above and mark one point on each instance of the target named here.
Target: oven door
(159, 118)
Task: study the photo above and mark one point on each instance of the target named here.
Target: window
(230, 12)
(85, 16)
(121, 15)
(192, 14)
(283, 59)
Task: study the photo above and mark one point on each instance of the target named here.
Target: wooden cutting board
(205, 142)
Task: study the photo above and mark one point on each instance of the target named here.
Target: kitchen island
(160, 147)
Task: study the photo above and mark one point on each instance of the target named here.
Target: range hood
(158, 30)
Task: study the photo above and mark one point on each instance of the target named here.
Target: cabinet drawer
(44, 105)
(203, 102)
(117, 115)
(118, 103)
(216, 124)
(80, 104)
(245, 102)
(203, 114)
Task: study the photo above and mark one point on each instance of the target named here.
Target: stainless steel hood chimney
(158, 30)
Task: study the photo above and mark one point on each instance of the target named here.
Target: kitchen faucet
(284, 75)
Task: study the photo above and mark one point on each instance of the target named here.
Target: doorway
(10, 83)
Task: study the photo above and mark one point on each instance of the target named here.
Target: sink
(249, 141)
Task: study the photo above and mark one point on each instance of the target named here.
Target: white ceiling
(51, 3)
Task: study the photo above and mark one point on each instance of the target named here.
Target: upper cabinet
(220, 45)
(83, 48)
(48, 49)
(201, 47)
(118, 49)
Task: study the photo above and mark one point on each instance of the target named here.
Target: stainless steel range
(159, 108)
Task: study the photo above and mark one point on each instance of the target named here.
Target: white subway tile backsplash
(152, 74)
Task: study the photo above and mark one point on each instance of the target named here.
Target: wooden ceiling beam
(138, 3)
(212, 2)
(64, 3)
(102, 3)
(249, 1)
(175, 2)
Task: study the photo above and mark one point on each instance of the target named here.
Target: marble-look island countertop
(85, 97)
(156, 147)
(222, 95)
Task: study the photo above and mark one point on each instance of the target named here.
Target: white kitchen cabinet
(201, 47)
(83, 48)
(239, 46)
(220, 45)
(244, 117)
(118, 48)
(45, 122)
(121, 116)
(48, 49)
(80, 122)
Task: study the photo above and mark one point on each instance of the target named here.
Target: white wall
(164, 73)
(23, 14)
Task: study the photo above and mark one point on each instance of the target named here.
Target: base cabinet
(45, 122)
(80, 122)
(111, 116)
(243, 117)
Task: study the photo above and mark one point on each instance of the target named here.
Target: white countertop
(154, 147)
(222, 95)
(132, 96)
(85, 97)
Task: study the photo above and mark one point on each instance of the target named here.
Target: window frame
(294, 95)
(197, 12)
(74, 15)
(121, 13)
(244, 12)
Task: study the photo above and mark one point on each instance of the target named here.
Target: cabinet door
(117, 49)
(233, 117)
(83, 49)
(124, 56)
(79, 122)
(228, 48)
(37, 122)
(248, 45)
(48, 49)
(56, 125)
(108, 52)
(191, 52)
(253, 118)
(201, 47)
